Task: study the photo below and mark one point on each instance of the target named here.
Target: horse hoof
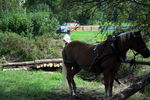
(106, 98)
(73, 94)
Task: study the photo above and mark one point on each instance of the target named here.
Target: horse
(105, 58)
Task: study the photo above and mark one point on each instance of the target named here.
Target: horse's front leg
(108, 82)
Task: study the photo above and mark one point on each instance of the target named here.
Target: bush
(16, 22)
(43, 23)
(18, 48)
(36, 24)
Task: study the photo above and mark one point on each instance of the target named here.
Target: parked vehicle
(62, 29)
(69, 26)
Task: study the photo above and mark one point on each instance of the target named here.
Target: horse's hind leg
(74, 71)
(68, 76)
(71, 71)
(108, 81)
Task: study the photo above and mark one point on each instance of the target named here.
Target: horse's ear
(109, 37)
(142, 33)
(136, 33)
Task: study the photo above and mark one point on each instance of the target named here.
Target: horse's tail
(64, 69)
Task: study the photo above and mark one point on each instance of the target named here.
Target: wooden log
(59, 60)
(138, 62)
(36, 62)
(132, 89)
(23, 68)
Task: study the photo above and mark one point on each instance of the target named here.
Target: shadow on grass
(34, 92)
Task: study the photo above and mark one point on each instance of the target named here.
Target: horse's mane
(127, 35)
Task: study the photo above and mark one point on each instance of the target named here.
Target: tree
(7, 6)
(136, 12)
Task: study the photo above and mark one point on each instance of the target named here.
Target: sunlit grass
(25, 85)
(37, 85)
(90, 36)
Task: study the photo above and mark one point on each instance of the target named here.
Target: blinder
(141, 49)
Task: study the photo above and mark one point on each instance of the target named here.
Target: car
(62, 29)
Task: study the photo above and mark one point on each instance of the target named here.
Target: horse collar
(95, 51)
(114, 46)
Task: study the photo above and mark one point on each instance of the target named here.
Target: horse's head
(139, 44)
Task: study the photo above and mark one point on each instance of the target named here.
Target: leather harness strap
(112, 43)
(114, 46)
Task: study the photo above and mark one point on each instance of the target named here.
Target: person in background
(66, 38)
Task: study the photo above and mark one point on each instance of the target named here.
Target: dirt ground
(81, 95)
(86, 94)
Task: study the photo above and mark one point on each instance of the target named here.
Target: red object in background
(72, 25)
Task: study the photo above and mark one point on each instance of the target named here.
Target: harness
(114, 46)
(112, 42)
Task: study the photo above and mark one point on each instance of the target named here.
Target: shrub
(36, 24)
(16, 22)
(43, 23)
(16, 47)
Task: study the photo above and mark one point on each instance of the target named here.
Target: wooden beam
(137, 62)
(126, 93)
(35, 62)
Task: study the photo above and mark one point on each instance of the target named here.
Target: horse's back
(78, 51)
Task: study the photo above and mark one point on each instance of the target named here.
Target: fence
(88, 28)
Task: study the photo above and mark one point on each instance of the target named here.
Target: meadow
(39, 85)
(90, 36)
(36, 85)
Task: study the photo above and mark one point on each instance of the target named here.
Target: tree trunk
(132, 89)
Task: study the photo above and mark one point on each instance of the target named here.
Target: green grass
(23, 85)
(90, 36)
(34, 85)
(37, 85)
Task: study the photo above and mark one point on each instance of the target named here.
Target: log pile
(57, 65)
(36, 63)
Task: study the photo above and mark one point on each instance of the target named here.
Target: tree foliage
(136, 12)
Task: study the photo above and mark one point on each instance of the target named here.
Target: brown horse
(103, 58)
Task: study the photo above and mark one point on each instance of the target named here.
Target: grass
(90, 36)
(22, 85)
(33, 85)
(37, 85)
